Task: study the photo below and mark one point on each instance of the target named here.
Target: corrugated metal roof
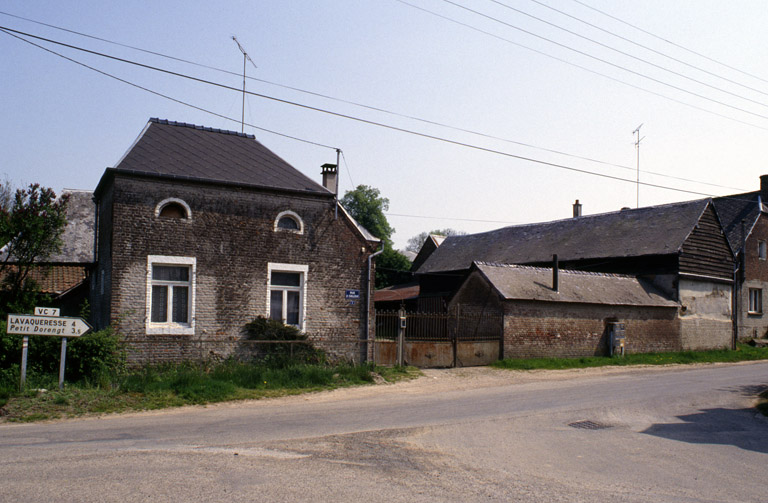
(514, 282)
(653, 230)
(397, 292)
(187, 151)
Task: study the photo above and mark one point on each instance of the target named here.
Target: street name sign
(26, 324)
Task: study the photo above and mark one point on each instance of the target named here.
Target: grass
(158, 387)
(743, 352)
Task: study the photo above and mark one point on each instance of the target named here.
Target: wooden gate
(452, 339)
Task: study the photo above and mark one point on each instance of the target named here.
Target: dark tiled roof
(653, 230)
(179, 150)
(732, 210)
(78, 235)
(535, 283)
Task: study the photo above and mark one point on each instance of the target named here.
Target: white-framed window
(755, 300)
(289, 221)
(287, 293)
(171, 285)
(173, 207)
(762, 250)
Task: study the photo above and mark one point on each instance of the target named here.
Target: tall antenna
(246, 58)
(637, 146)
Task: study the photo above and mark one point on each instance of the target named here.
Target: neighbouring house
(64, 276)
(560, 313)
(431, 244)
(746, 226)
(679, 249)
(201, 230)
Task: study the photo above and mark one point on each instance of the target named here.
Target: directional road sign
(26, 324)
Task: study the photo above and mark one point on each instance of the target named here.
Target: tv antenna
(637, 146)
(246, 58)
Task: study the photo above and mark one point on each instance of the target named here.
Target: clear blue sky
(63, 124)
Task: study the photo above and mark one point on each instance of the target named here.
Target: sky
(465, 114)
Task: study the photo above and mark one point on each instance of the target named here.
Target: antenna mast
(637, 146)
(246, 58)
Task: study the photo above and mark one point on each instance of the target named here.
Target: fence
(454, 338)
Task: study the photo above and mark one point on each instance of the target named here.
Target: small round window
(173, 208)
(289, 221)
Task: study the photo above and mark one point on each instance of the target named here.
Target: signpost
(45, 321)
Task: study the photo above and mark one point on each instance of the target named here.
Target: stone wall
(705, 314)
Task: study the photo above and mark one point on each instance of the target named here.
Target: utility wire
(623, 53)
(651, 49)
(359, 119)
(106, 74)
(605, 61)
(595, 72)
(670, 42)
(377, 109)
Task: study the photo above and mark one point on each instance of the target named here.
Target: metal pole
(401, 338)
(369, 291)
(242, 120)
(63, 362)
(24, 348)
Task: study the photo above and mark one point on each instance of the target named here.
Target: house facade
(200, 231)
(680, 249)
(746, 225)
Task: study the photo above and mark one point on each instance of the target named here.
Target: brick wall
(545, 329)
(231, 235)
(756, 276)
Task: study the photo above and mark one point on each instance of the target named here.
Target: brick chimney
(330, 177)
(764, 189)
(576, 209)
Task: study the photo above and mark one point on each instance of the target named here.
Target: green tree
(31, 226)
(416, 242)
(367, 206)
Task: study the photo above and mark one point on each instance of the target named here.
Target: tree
(416, 242)
(366, 205)
(31, 226)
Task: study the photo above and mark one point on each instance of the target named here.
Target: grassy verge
(743, 352)
(158, 387)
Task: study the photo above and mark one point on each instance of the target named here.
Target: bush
(281, 355)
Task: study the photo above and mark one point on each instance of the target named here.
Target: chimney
(330, 177)
(555, 272)
(764, 189)
(576, 209)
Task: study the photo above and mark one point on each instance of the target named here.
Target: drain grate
(589, 425)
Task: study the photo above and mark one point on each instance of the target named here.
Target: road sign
(47, 311)
(26, 324)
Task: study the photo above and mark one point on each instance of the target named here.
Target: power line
(358, 119)
(605, 61)
(382, 110)
(106, 74)
(670, 42)
(651, 49)
(595, 72)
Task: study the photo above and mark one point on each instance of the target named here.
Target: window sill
(754, 313)
(170, 330)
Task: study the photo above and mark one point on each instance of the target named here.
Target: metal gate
(459, 338)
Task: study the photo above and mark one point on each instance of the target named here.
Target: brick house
(746, 226)
(201, 230)
(679, 249)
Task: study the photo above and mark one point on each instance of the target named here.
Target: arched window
(288, 221)
(173, 208)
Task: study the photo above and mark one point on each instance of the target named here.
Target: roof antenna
(246, 58)
(637, 146)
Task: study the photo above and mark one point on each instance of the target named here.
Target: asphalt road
(671, 434)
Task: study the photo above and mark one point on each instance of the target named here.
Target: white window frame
(755, 301)
(293, 215)
(170, 327)
(762, 250)
(304, 270)
(165, 202)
